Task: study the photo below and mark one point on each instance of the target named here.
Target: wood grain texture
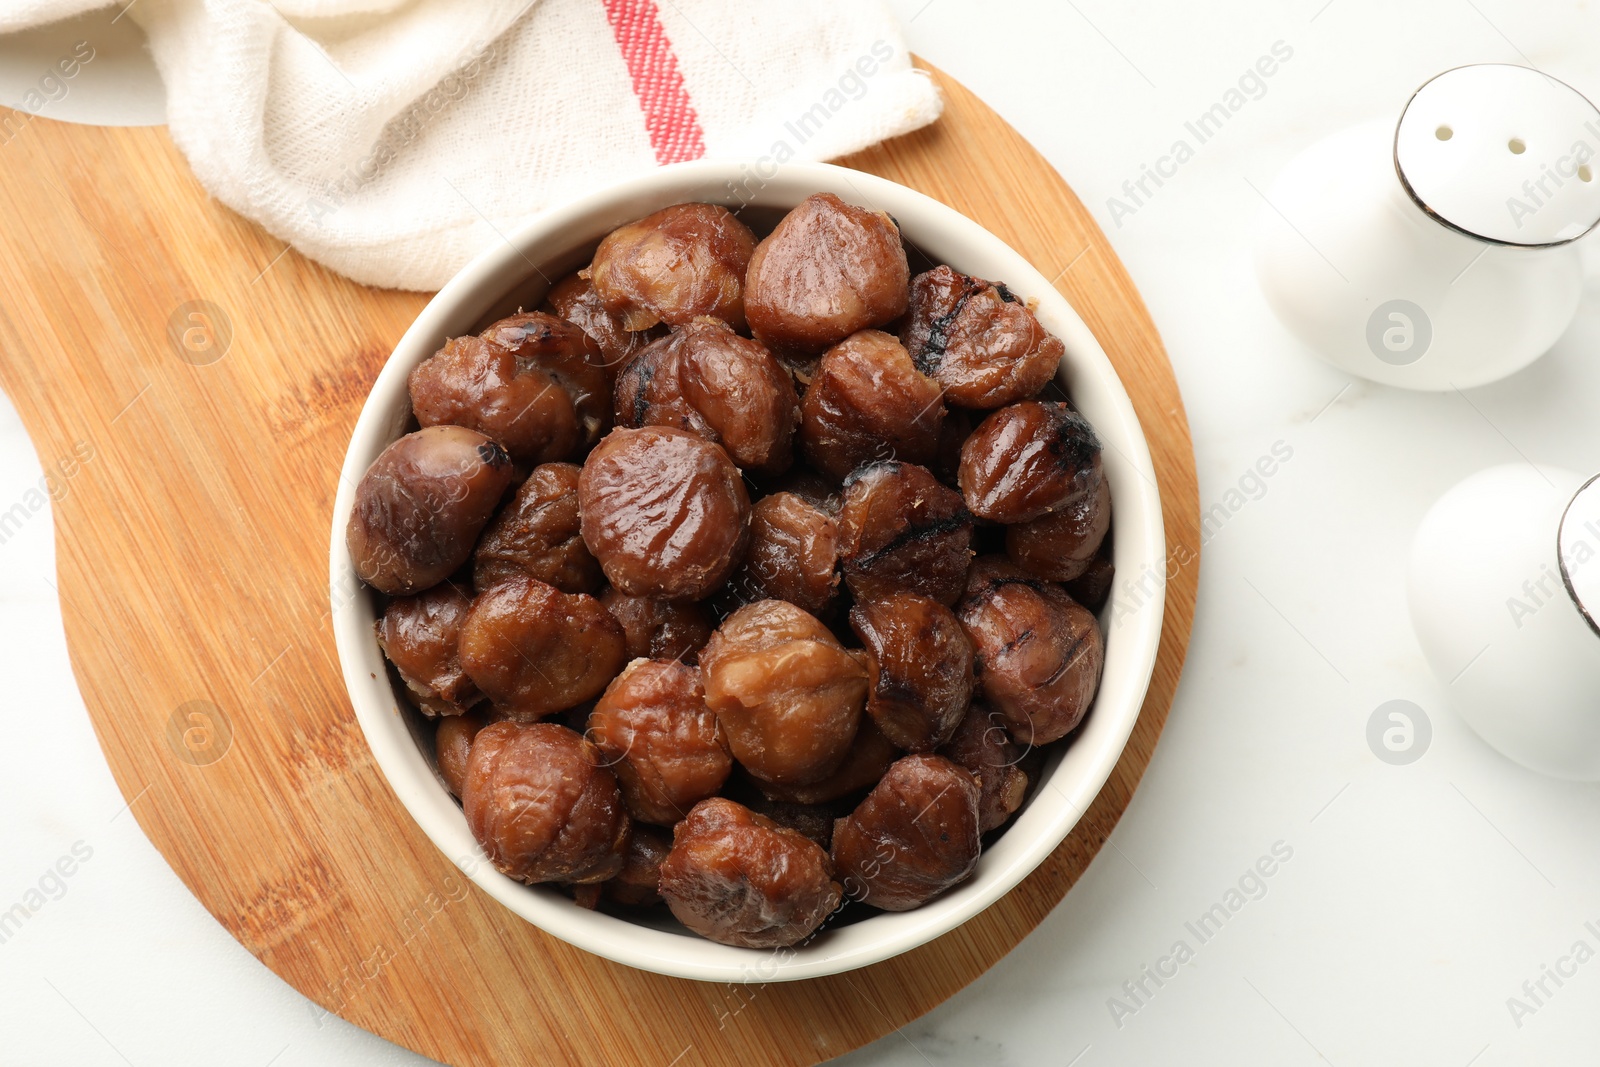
(192, 547)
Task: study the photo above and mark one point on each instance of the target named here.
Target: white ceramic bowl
(514, 274)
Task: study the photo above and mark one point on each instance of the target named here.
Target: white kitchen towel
(393, 140)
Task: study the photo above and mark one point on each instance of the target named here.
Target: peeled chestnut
(740, 879)
(982, 745)
(573, 298)
(535, 650)
(636, 885)
(1027, 460)
(541, 807)
(869, 757)
(673, 266)
(788, 695)
(664, 511)
(1092, 588)
(419, 634)
(827, 270)
(537, 535)
(867, 401)
(660, 629)
(899, 528)
(452, 746)
(421, 505)
(915, 835)
(561, 350)
(653, 729)
(1062, 544)
(793, 554)
(920, 665)
(728, 389)
(1039, 651)
(982, 343)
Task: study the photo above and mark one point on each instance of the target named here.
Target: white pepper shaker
(1436, 253)
(1504, 589)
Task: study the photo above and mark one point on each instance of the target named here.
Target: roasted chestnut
(728, 389)
(867, 401)
(920, 665)
(740, 879)
(653, 729)
(569, 357)
(541, 807)
(421, 505)
(660, 629)
(664, 511)
(983, 344)
(869, 757)
(452, 745)
(573, 298)
(1027, 460)
(537, 535)
(788, 695)
(827, 270)
(1062, 544)
(535, 650)
(915, 835)
(673, 266)
(899, 528)
(419, 634)
(636, 885)
(793, 555)
(982, 745)
(1039, 651)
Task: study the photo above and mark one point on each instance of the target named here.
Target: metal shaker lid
(1578, 543)
(1502, 153)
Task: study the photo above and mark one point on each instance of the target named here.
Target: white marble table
(1405, 904)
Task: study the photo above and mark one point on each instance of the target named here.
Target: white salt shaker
(1436, 253)
(1504, 588)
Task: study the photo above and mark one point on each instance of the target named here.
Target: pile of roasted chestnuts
(745, 576)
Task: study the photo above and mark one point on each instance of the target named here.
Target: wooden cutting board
(191, 387)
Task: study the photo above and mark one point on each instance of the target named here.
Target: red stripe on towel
(669, 114)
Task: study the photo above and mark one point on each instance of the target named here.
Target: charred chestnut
(664, 511)
(788, 695)
(899, 528)
(982, 343)
(653, 729)
(541, 807)
(421, 505)
(1039, 651)
(740, 879)
(867, 401)
(673, 266)
(915, 835)
(535, 650)
(1028, 460)
(920, 666)
(708, 380)
(537, 535)
(827, 270)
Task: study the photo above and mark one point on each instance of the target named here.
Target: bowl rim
(1135, 613)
